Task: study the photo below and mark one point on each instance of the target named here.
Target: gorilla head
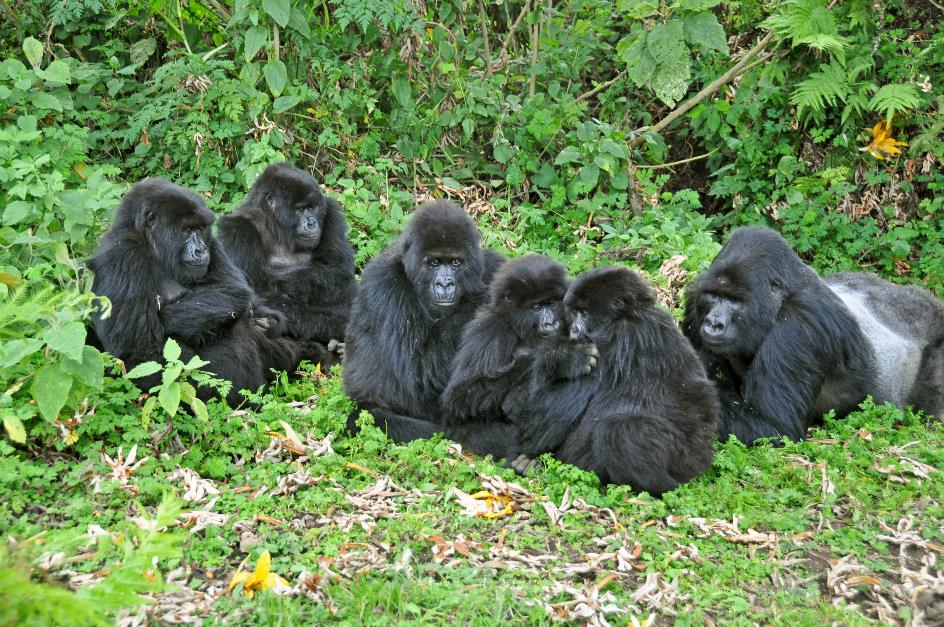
(734, 303)
(602, 298)
(294, 204)
(174, 222)
(441, 257)
(528, 294)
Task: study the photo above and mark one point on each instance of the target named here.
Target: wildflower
(261, 579)
(882, 142)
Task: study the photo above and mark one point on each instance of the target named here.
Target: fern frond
(828, 86)
(894, 99)
(809, 23)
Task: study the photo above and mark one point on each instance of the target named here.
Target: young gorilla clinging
(415, 297)
(166, 277)
(291, 241)
(646, 416)
(525, 309)
(786, 346)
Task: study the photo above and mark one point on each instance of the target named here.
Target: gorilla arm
(209, 306)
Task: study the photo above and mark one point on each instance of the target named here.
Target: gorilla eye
(433, 262)
(536, 307)
(618, 302)
(457, 262)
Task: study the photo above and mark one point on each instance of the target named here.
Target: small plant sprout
(175, 387)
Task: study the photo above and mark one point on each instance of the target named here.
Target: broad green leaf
(299, 21)
(12, 352)
(545, 176)
(45, 100)
(33, 51)
(68, 339)
(90, 370)
(16, 211)
(171, 373)
(284, 103)
(702, 29)
(640, 66)
(503, 153)
(57, 72)
(279, 10)
(666, 44)
(143, 370)
(400, 88)
(589, 174)
(142, 50)
(638, 8)
(50, 390)
(14, 427)
(620, 180)
(171, 350)
(169, 398)
(200, 409)
(147, 410)
(568, 155)
(256, 37)
(195, 362)
(620, 151)
(187, 392)
(276, 76)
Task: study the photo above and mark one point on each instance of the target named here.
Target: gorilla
(491, 371)
(786, 346)
(166, 277)
(291, 242)
(415, 297)
(645, 415)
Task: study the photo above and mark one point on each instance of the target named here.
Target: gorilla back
(414, 299)
(166, 277)
(785, 346)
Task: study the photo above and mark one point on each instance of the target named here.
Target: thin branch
(739, 68)
(659, 166)
(535, 40)
(488, 49)
(183, 35)
(212, 53)
(511, 31)
(601, 87)
(275, 41)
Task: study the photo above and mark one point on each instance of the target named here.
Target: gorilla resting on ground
(414, 299)
(291, 241)
(645, 416)
(525, 310)
(786, 346)
(166, 276)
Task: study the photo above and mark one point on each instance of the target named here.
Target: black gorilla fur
(645, 416)
(786, 346)
(291, 241)
(414, 299)
(166, 277)
(491, 372)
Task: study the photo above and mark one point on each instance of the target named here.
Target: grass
(844, 527)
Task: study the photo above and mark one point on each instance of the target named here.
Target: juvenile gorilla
(291, 242)
(166, 277)
(786, 346)
(645, 416)
(414, 299)
(492, 371)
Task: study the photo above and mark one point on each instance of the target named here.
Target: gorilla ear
(150, 218)
(270, 200)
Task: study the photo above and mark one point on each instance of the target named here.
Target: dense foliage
(632, 131)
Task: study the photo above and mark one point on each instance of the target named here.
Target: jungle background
(636, 132)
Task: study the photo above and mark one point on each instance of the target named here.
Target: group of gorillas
(512, 357)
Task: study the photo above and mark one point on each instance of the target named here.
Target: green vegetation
(627, 131)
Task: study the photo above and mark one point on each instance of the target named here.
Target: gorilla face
(178, 237)
(300, 211)
(529, 293)
(733, 314)
(442, 258)
(602, 297)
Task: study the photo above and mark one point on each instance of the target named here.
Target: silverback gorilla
(166, 277)
(785, 346)
(414, 299)
(645, 415)
(291, 241)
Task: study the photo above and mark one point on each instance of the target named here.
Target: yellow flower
(261, 579)
(883, 142)
(499, 505)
